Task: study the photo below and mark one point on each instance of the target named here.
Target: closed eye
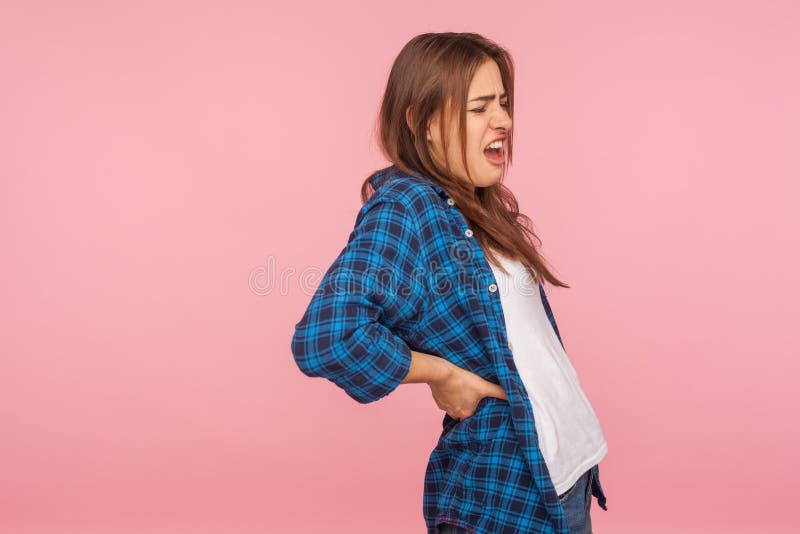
(481, 110)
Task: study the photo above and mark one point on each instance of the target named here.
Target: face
(487, 120)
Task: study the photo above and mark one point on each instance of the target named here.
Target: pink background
(177, 175)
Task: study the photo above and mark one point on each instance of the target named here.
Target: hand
(459, 391)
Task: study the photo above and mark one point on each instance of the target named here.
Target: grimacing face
(487, 119)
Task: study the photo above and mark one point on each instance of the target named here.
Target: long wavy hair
(432, 73)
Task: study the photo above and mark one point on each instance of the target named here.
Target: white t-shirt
(569, 432)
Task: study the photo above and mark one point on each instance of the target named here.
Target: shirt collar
(383, 176)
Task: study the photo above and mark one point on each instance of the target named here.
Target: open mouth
(495, 153)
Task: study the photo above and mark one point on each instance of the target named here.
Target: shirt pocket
(478, 431)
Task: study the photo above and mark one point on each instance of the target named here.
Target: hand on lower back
(460, 391)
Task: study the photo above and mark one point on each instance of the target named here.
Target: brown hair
(432, 73)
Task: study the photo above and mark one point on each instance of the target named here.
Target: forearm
(427, 368)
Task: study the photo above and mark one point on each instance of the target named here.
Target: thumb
(498, 391)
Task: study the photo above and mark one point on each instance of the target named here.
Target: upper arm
(348, 333)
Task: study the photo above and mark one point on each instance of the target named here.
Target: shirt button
(510, 346)
(492, 287)
(451, 202)
(468, 233)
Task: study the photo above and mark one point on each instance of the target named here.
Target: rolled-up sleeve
(374, 288)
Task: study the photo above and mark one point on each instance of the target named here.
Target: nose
(501, 118)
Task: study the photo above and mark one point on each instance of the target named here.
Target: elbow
(307, 360)
(319, 354)
(366, 367)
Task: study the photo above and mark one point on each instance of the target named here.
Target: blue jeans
(576, 502)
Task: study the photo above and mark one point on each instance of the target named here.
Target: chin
(492, 179)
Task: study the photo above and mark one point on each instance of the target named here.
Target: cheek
(475, 148)
(475, 136)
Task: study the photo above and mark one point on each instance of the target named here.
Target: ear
(410, 120)
(432, 123)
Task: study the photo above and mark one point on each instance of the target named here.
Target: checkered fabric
(412, 277)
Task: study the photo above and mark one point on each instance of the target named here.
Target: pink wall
(163, 164)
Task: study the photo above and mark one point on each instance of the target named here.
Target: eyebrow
(487, 98)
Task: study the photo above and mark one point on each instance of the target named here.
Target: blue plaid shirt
(412, 277)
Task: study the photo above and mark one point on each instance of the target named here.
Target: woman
(426, 290)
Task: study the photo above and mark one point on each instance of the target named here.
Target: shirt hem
(585, 466)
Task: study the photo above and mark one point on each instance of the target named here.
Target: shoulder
(413, 196)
